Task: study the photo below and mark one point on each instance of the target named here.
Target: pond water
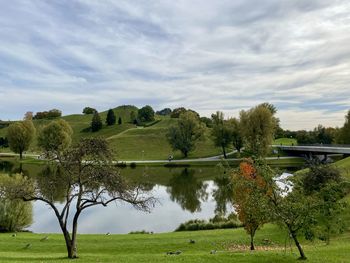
(182, 194)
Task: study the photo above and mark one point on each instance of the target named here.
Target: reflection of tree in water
(223, 194)
(187, 190)
(52, 184)
(6, 166)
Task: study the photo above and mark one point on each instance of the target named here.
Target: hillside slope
(127, 140)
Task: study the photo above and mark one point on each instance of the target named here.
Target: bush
(51, 114)
(89, 110)
(133, 165)
(216, 222)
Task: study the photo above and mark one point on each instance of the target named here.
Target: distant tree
(249, 199)
(324, 135)
(110, 119)
(96, 123)
(186, 133)
(257, 127)
(20, 135)
(119, 120)
(4, 142)
(177, 112)
(51, 114)
(89, 110)
(207, 121)
(28, 116)
(86, 176)
(344, 133)
(145, 114)
(236, 133)
(221, 131)
(133, 117)
(164, 112)
(55, 136)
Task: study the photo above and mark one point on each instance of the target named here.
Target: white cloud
(210, 56)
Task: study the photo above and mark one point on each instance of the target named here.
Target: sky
(205, 55)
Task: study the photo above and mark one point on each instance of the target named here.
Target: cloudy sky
(206, 55)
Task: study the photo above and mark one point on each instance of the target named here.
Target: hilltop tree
(221, 132)
(164, 112)
(133, 117)
(85, 176)
(89, 110)
(186, 133)
(146, 114)
(20, 135)
(96, 123)
(177, 112)
(110, 119)
(257, 127)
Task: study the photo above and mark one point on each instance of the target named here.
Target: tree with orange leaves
(249, 199)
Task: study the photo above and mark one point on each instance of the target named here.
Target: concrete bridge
(309, 151)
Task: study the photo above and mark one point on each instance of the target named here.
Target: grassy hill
(129, 141)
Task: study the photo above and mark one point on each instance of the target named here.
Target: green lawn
(285, 141)
(231, 246)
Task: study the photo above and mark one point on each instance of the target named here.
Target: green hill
(127, 140)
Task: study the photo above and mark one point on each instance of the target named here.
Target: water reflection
(187, 190)
(184, 194)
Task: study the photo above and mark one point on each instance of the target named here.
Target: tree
(236, 134)
(88, 177)
(15, 215)
(186, 133)
(249, 198)
(145, 114)
(119, 120)
(133, 117)
(344, 134)
(110, 119)
(257, 127)
(221, 132)
(207, 121)
(89, 110)
(326, 184)
(164, 112)
(20, 136)
(54, 113)
(96, 123)
(177, 112)
(288, 205)
(55, 137)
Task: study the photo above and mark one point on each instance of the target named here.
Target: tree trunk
(224, 151)
(301, 251)
(20, 154)
(252, 241)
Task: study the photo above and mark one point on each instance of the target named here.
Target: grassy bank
(230, 246)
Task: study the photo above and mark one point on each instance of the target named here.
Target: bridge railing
(318, 145)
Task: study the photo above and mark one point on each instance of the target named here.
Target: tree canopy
(20, 135)
(146, 114)
(186, 133)
(111, 119)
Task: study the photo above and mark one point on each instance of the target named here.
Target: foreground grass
(153, 248)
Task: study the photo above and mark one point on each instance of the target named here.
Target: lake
(182, 193)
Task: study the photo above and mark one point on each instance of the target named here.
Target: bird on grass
(174, 253)
(44, 239)
(27, 246)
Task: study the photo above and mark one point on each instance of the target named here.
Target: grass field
(230, 246)
(285, 141)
